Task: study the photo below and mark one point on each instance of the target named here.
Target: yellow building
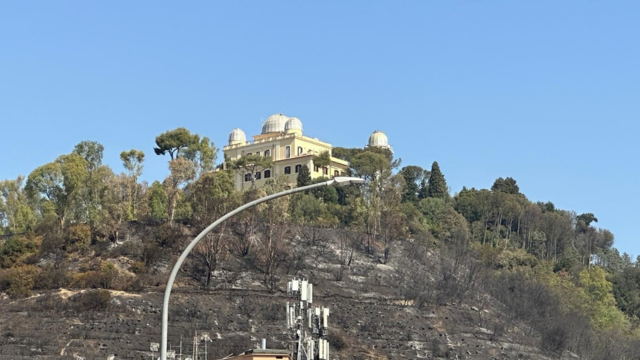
(281, 140)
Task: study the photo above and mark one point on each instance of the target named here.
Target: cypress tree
(304, 176)
(437, 184)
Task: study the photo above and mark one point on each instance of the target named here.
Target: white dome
(237, 135)
(293, 124)
(274, 123)
(378, 138)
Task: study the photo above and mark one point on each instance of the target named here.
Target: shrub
(96, 300)
(51, 278)
(78, 237)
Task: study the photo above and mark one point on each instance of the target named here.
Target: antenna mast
(308, 324)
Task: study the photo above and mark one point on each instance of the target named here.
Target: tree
(370, 165)
(157, 199)
(251, 164)
(304, 176)
(92, 152)
(14, 207)
(173, 141)
(437, 183)
(59, 183)
(414, 177)
(132, 161)
(322, 160)
(203, 153)
(507, 186)
(182, 171)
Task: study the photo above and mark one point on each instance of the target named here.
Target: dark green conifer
(304, 176)
(437, 184)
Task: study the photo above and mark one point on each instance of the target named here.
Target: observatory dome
(274, 123)
(237, 136)
(379, 139)
(293, 125)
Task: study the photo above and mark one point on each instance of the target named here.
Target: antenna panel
(310, 295)
(288, 315)
(295, 286)
(304, 287)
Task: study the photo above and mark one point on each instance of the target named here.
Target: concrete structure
(260, 354)
(281, 140)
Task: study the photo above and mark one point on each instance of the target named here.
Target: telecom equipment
(308, 324)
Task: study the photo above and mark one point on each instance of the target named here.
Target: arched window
(336, 173)
(267, 153)
(287, 169)
(325, 171)
(249, 154)
(258, 175)
(247, 177)
(299, 150)
(315, 168)
(298, 167)
(287, 152)
(267, 173)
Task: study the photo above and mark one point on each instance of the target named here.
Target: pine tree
(304, 176)
(437, 184)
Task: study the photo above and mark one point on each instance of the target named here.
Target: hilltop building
(282, 139)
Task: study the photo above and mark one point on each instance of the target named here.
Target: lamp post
(338, 181)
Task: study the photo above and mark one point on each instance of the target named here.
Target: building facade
(283, 141)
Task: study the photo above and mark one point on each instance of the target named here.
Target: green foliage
(17, 282)
(369, 164)
(322, 160)
(304, 176)
(92, 152)
(437, 184)
(328, 194)
(203, 153)
(157, 203)
(414, 178)
(345, 154)
(15, 211)
(600, 302)
(78, 237)
(173, 141)
(507, 186)
(16, 250)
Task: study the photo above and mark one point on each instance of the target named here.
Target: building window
(257, 153)
(315, 168)
(299, 150)
(298, 167)
(325, 171)
(267, 173)
(258, 175)
(267, 153)
(249, 154)
(247, 177)
(287, 152)
(287, 169)
(336, 173)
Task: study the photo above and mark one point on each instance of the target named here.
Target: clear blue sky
(547, 92)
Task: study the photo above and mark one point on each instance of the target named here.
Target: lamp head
(347, 180)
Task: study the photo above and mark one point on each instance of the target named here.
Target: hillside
(411, 269)
(371, 317)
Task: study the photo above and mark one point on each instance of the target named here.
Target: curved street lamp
(338, 181)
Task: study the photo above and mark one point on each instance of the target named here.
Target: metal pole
(172, 277)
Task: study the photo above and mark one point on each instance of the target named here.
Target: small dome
(237, 136)
(293, 124)
(378, 138)
(274, 123)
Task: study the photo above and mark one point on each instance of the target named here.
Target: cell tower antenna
(308, 324)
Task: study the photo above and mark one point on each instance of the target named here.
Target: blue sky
(547, 92)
